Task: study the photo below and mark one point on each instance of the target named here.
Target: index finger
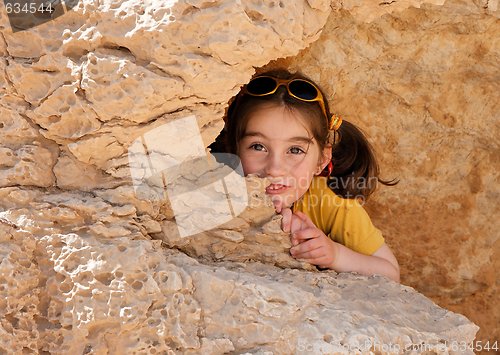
(287, 220)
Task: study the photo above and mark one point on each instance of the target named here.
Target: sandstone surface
(80, 270)
(76, 293)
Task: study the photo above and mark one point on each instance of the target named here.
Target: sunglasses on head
(300, 89)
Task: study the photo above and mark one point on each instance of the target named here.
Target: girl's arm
(313, 246)
(381, 262)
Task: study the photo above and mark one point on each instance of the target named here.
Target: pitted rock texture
(79, 271)
(424, 85)
(118, 295)
(254, 235)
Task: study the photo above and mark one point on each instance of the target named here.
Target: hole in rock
(65, 287)
(25, 262)
(154, 322)
(105, 278)
(187, 11)
(137, 285)
(54, 119)
(12, 320)
(254, 15)
(75, 53)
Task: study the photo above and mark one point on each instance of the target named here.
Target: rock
(262, 239)
(92, 257)
(143, 297)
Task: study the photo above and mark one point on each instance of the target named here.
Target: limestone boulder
(92, 260)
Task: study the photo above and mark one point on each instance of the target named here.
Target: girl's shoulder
(326, 197)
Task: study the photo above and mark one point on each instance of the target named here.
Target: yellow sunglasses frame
(333, 123)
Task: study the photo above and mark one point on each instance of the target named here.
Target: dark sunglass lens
(261, 86)
(302, 89)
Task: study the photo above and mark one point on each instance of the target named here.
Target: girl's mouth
(275, 189)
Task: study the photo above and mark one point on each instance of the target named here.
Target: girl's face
(277, 145)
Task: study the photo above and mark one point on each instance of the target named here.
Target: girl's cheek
(247, 165)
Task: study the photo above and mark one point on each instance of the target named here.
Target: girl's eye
(257, 146)
(296, 150)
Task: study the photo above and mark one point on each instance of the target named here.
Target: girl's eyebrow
(302, 139)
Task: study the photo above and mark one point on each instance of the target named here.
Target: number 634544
(476, 345)
(24, 7)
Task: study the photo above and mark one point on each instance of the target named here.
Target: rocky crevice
(91, 265)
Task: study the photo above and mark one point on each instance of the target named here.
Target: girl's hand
(310, 244)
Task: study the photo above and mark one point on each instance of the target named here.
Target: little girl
(320, 169)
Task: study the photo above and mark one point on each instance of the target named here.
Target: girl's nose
(274, 166)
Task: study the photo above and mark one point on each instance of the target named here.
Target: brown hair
(355, 169)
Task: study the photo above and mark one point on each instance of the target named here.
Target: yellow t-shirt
(343, 220)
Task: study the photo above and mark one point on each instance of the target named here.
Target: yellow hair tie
(335, 122)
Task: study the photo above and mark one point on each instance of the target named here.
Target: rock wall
(424, 84)
(74, 293)
(80, 270)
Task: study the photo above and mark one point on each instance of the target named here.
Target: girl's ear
(325, 158)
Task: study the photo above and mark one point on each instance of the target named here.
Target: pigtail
(355, 171)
